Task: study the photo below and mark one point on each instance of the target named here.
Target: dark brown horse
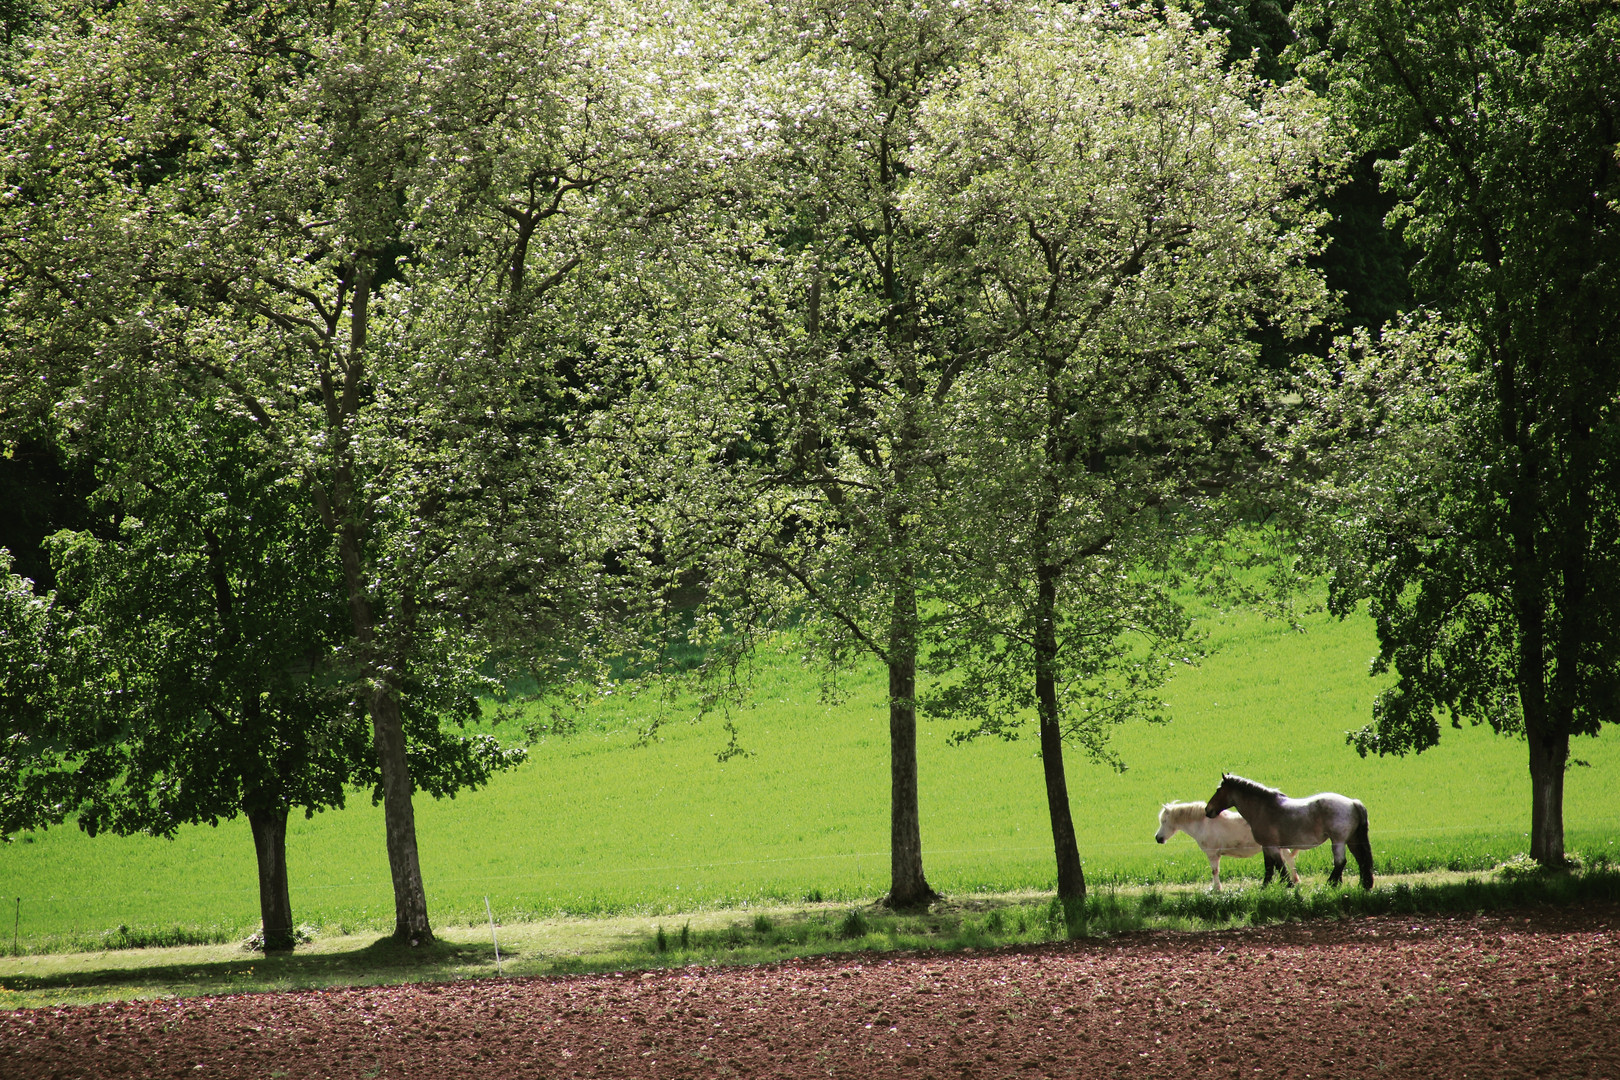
(1280, 822)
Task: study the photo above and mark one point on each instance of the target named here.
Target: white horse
(1227, 834)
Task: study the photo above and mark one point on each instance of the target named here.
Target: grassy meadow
(594, 824)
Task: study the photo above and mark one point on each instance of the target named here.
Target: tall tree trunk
(269, 824)
(399, 819)
(1545, 734)
(1547, 739)
(1547, 751)
(387, 727)
(1071, 879)
(908, 887)
(388, 739)
(1549, 747)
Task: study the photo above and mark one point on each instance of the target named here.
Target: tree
(34, 792)
(258, 205)
(817, 370)
(1120, 209)
(164, 226)
(203, 678)
(1488, 558)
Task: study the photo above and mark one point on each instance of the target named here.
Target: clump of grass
(854, 925)
(1521, 866)
(301, 935)
(156, 937)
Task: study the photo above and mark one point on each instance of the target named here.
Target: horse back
(1227, 833)
(1334, 816)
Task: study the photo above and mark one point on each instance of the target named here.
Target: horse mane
(1252, 787)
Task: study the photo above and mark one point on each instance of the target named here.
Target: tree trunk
(1548, 743)
(1545, 728)
(387, 728)
(1547, 739)
(269, 826)
(1549, 754)
(1071, 879)
(908, 888)
(399, 820)
(1549, 746)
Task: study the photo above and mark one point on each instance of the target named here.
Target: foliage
(33, 793)
(43, 493)
(207, 653)
(1120, 209)
(1473, 454)
(355, 228)
(201, 666)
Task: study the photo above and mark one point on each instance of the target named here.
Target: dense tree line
(359, 356)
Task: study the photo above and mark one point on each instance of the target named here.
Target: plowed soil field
(1522, 994)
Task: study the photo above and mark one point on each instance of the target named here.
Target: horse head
(1221, 799)
(1166, 829)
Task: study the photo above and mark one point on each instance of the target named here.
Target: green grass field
(594, 824)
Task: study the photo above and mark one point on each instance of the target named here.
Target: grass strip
(751, 936)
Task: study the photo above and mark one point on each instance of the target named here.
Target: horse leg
(1361, 848)
(1282, 861)
(1273, 863)
(1337, 877)
(1215, 870)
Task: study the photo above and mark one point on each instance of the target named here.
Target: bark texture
(908, 888)
(399, 820)
(1071, 878)
(269, 824)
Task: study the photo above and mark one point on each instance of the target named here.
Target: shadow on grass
(382, 961)
(948, 926)
(1106, 912)
(1111, 912)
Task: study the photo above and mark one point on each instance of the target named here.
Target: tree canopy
(1120, 208)
(414, 346)
(354, 227)
(1472, 455)
(203, 676)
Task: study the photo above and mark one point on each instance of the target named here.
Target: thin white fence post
(490, 912)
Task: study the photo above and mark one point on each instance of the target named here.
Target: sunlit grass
(595, 824)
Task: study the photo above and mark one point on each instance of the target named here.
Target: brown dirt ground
(1520, 994)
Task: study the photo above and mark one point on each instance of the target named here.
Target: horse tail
(1361, 847)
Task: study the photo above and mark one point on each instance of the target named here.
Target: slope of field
(594, 822)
